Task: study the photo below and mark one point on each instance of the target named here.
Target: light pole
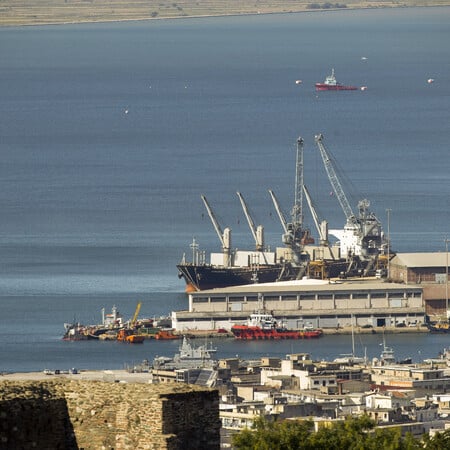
(446, 278)
(389, 242)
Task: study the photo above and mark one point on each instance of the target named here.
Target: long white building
(323, 304)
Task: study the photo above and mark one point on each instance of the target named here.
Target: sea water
(109, 134)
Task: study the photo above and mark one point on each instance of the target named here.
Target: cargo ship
(240, 267)
(261, 325)
(360, 249)
(199, 277)
(331, 84)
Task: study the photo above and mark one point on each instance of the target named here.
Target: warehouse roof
(412, 260)
(306, 286)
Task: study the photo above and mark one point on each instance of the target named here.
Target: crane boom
(258, 236)
(334, 180)
(135, 316)
(224, 236)
(279, 212)
(214, 221)
(313, 212)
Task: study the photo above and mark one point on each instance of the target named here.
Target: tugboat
(330, 84)
(261, 325)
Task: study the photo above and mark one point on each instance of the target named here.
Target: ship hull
(202, 277)
(209, 277)
(338, 87)
(245, 332)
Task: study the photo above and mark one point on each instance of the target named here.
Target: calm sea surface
(109, 134)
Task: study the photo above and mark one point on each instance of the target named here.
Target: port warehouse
(418, 290)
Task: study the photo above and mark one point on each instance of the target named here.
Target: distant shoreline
(48, 13)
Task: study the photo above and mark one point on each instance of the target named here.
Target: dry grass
(34, 12)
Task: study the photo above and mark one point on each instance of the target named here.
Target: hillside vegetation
(36, 12)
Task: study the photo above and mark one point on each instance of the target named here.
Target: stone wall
(68, 414)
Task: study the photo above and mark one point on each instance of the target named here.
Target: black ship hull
(202, 277)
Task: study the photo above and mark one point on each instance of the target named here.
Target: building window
(378, 295)
(271, 298)
(218, 299)
(359, 295)
(307, 297)
(251, 298)
(396, 294)
(325, 296)
(289, 297)
(235, 299)
(341, 296)
(200, 300)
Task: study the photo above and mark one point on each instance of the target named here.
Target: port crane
(362, 237)
(224, 236)
(295, 236)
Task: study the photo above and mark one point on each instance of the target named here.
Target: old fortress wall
(72, 414)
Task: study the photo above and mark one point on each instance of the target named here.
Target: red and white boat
(330, 84)
(265, 326)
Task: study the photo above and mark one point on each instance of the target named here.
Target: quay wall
(71, 415)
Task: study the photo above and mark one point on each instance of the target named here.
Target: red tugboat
(265, 326)
(330, 84)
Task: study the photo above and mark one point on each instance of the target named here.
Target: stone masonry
(98, 415)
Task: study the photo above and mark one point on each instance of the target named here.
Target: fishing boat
(331, 84)
(261, 325)
(387, 355)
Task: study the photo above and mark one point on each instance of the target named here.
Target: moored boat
(261, 325)
(129, 336)
(75, 332)
(439, 327)
(166, 334)
(331, 84)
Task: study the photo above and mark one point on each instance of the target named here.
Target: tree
(350, 434)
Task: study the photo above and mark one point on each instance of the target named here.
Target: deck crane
(321, 226)
(258, 232)
(224, 236)
(279, 212)
(362, 238)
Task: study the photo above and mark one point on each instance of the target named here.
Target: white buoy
(430, 80)
(363, 88)
(298, 81)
